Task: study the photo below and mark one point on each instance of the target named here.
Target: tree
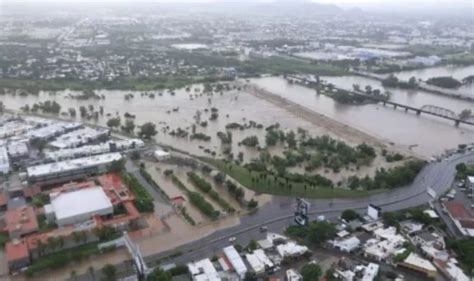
(159, 274)
(311, 272)
(39, 144)
(320, 232)
(109, 273)
(252, 204)
(252, 246)
(147, 130)
(250, 276)
(129, 126)
(349, 215)
(113, 122)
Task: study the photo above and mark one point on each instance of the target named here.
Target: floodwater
(426, 135)
(455, 71)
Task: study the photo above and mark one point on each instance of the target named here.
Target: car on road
(263, 229)
(232, 239)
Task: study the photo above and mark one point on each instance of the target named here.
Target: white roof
(470, 179)
(291, 249)
(78, 137)
(431, 213)
(203, 270)
(69, 165)
(160, 152)
(93, 149)
(260, 254)
(82, 201)
(415, 260)
(235, 260)
(455, 272)
(370, 272)
(255, 263)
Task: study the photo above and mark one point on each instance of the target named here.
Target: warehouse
(77, 206)
(78, 137)
(70, 169)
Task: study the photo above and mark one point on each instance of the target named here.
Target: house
(293, 275)
(21, 221)
(346, 244)
(236, 261)
(161, 155)
(17, 254)
(416, 263)
(462, 218)
(203, 270)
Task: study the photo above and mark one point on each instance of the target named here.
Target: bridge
(425, 109)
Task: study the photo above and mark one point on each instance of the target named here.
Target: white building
(71, 169)
(346, 244)
(255, 263)
(78, 137)
(4, 160)
(203, 270)
(292, 275)
(236, 261)
(161, 155)
(291, 249)
(73, 207)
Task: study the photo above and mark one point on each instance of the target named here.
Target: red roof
(15, 250)
(115, 188)
(22, 219)
(458, 210)
(3, 199)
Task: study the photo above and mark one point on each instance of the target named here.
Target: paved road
(277, 215)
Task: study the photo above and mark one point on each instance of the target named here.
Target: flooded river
(455, 71)
(426, 135)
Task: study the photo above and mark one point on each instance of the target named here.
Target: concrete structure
(17, 254)
(4, 161)
(52, 130)
(88, 150)
(255, 263)
(18, 150)
(292, 275)
(416, 263)
(291, 249)
(385, 244)
(78, 137)
(71, 169)
(235, 260)
(346, 244)
(161, 155)
(78, 206)
(203, 270)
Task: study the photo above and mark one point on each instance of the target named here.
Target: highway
(278, 214)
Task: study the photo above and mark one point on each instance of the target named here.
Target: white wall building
(73, 207)
(161, 155)
(4, 160)
(236, 261)
(203, 270)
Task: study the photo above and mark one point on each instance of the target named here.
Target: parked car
(232, 239)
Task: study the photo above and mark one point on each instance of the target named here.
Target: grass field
(268, 186)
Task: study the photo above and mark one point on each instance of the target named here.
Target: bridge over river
(425, 109)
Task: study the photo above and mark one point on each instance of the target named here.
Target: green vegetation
(200, 136)
(460, 59)
(251, 141)
(463, 171)
(4, 238)
(197, 200)
(62, 258)
(316, 232)
(40, 199)
(464, 249)
(109, 273)
(147, 131)
(401, 256)
(415, 214)
(394, 82)
(311, 272)
(349, 215)
(206, 187)
(159, 274)
(106, 233)
(143, 200)
(43, 223)
(187, 216)
(444, 82)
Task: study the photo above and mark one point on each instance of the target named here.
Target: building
(21, 221)
(385, 244)
(291, 249)
(462, 218)
(161, 155)
(18, 150)
(17, 254)
(71, 169)
(414, 262)
(203, 270)
(346, 244)
(4, 161)
(73, 207)
(255, 263)
(293, 275)
(78, 137)
(236, 261)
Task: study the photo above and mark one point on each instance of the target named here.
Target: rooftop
(16, 249)
(87, 200)
(21, 219)
(84, 162)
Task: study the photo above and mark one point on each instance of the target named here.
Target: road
(277, 215)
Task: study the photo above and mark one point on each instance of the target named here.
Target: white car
(232, 239)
